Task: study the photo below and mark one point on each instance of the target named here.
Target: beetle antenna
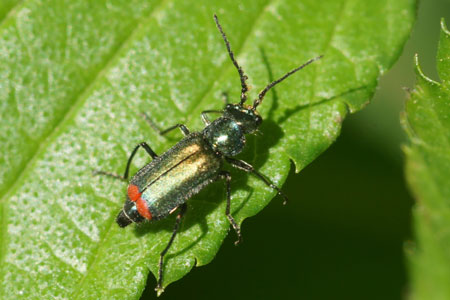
(273, 83)
(242, 76)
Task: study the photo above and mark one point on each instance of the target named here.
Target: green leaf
(427, 122)
(74, 79)
(6, 6)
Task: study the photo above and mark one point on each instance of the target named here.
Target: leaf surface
(427, 122)
(75, 79)
(6, 6)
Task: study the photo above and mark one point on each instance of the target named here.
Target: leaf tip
(159, 290)
(419, 71)
(298, 166)
(416, 63)
(444, 26)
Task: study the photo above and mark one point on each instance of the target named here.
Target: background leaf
(427, 123)
(172, 65)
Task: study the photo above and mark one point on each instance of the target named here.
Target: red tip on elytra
(133, 193)
(141, 204)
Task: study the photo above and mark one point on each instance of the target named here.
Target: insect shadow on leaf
(291, 111)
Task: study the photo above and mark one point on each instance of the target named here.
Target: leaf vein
(49, 247)
(327, 46)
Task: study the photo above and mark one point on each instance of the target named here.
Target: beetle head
(246, 117)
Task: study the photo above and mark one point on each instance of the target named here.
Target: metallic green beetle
(168, 181)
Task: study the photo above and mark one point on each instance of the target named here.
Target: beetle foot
(239, 240)
(159, 290)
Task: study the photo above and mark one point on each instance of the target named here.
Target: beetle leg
(227, 176)
(146, 148)
(225, 98)
(127, 169)
(240, 164)
(205, 113)
(109, 174)
(159, 289)
(182, 127)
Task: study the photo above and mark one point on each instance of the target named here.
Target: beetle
(165, 184)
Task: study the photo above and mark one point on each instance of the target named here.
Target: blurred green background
(344, 239)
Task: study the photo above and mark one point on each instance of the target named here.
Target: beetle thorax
(225, 136)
